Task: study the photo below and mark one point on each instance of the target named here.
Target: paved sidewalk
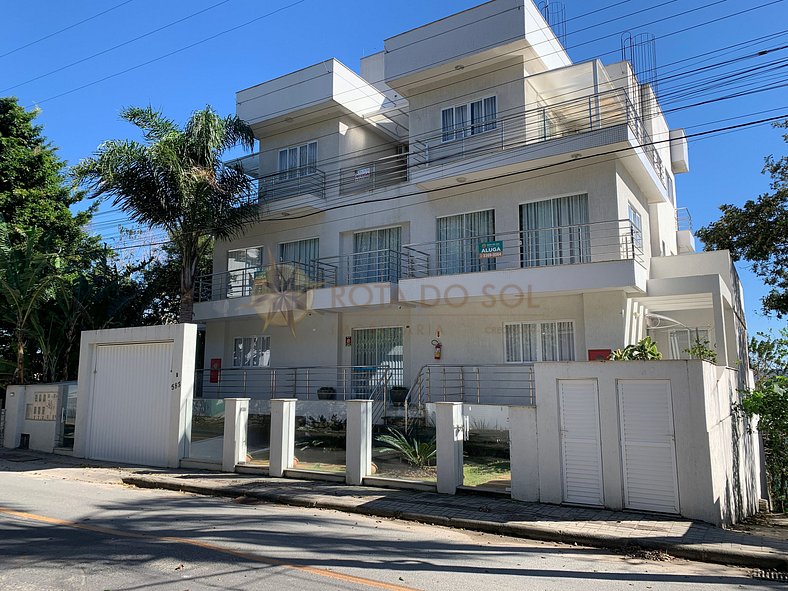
(593, 527)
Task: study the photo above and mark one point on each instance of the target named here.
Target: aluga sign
(490, 250)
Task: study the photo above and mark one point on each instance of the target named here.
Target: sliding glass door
(555, 231)
(459, 237)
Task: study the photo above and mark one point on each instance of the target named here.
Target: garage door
(647, 445)
(130, 403)
(581, 457)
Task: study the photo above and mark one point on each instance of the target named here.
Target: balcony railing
(372, 175)
(306, 180)
(563, 245)
(304, 383)
(506, 384)
(549, 122)
(280, 277)
(374, 266)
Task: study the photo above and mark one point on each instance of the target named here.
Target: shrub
(416, 453)
(645, 350)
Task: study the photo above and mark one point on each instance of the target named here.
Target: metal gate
(648, 448)
(581, 454)
(131, 403)
(380, 347)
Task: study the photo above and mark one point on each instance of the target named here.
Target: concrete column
(449, 436)
(358, 454)
(524, 453)
(282, 435)
(14, 415)
(236, 418)
(720, 329)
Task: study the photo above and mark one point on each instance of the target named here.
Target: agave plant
(416, 453)
(645, 350)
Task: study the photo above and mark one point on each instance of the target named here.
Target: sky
(81, 62)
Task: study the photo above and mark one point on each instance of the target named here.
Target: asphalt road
(60, 530)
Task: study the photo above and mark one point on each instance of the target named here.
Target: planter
(326, 393)
(397, 395)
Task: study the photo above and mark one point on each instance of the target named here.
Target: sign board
(363, 173)
(491, 250)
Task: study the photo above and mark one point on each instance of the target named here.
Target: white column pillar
(720, 330)
(236, 417)
(524, 453)
(358, 454)
(282, 435)
(448, 437)
(14, 415)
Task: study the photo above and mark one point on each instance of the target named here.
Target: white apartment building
(469, 194)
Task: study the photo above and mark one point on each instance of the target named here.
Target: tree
(769, 355)
(176, 180)
(28, 278)
(758, 232)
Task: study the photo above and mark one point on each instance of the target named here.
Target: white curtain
(459, 237)
(376, 255)
(555, 231)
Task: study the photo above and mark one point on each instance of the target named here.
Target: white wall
(43, 433)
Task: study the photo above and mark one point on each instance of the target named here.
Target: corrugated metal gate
(131, 403)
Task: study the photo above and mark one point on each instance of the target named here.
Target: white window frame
(539, 333)
(262, 358)
(637, 223)
(470, 125)
(298, 162)
(239, 283)
(692, 334)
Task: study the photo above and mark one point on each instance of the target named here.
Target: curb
(533, 532)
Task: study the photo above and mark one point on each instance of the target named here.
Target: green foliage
(416, 452)
(769, 355)
(645, 350)
(756, 232)
(702, 349)
(769, 401)
(176, 180)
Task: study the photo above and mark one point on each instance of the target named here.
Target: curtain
(376, 256)
(447, 124)
(242, 265)
(303, 255)
(459, 237)
(555, 231)
(251, 351)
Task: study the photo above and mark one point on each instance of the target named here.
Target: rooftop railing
(562, 245)
(541, 124)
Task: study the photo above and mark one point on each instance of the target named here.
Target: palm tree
(175, 180)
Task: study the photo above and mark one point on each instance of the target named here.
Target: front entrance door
(375, 349)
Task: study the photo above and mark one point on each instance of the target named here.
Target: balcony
(591, 124)
(604, 255)
(372, 175)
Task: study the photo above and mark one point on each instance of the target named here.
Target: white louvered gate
(131, 403)
(648, 448)
(581, 456)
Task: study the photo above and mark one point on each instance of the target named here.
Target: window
(251, 351)
(298, 161)
(376, 255)
(555, 231)
(684, 338)
(455, 120)
(459, 237)
(539, 341)
(298, 264)
(242, 266)
(637, 226)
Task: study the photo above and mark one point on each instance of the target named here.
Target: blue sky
(79, 110)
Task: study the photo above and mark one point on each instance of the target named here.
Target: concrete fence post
(524, 453)
(236, 418)
(282, 435)
(449, 436)
(14, 415)
(358, 453)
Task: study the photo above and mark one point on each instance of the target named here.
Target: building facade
(470, 197)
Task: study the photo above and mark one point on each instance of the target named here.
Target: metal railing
(544, 123)
(503, 384)
(305, 180)
(562, 245)
(291, 276)
(344, 382)
(683, 219)
(372, 175)
(373, 266)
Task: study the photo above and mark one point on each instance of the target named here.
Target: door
(377, 352)
(131, 403)
(581, 457)
(376, 256)
(459, 238)
(648, 448)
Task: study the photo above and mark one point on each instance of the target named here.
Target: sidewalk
(493, 514)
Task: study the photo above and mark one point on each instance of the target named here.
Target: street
(82, 529)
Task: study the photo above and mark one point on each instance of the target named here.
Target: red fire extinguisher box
(599, 354)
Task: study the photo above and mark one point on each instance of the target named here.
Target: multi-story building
(472, 195)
